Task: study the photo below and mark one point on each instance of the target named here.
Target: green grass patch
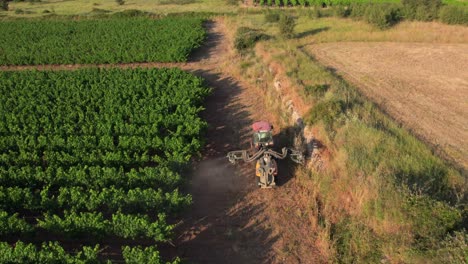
(356, 243)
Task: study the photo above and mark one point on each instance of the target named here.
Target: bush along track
(112, 40)
(94, 154)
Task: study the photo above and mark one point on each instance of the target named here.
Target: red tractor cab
(262, 153)
(262, 136)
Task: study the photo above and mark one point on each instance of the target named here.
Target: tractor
(261, 144)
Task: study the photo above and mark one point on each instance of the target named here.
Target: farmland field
(99, 41)
(93, 154)
(108, 155)
(424, 86)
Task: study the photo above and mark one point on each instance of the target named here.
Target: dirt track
(231, 220)
(425, 86)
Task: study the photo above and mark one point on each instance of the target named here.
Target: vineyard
(91, 155)
(99, 41)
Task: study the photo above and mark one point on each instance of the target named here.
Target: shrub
(247, 37)
(382, 16)
(454, 15)
(326, 111)
(341, 11)
(130, 13)
(432, 219)
(186, 2)
(358, 10)
(286, 25)
(120, 2)
(422, 10)
(453, 249)
(316, 90)
(4, 5)
(272, 17)
(355, 242)
(315, 13)
(277, 2)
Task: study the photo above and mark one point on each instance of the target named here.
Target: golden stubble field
(424, 86)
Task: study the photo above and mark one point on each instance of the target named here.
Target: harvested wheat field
(423, 86)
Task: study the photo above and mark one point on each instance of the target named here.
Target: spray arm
(295, 155)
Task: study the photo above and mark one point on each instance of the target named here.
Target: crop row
(53, 252)
(91, 177)
(122, 40)
(50, 199)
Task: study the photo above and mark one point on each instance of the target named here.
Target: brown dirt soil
(231, 220)
(423, 86)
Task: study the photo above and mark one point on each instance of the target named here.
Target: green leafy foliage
(137, 255)
(4, 5)
(247, 37)
(11, 224)
(326, 111)
(50, 252)
(341, 11)
(286, 25)
(433, 219)
(382, 16)
(353, 240)
(317, 90)
(423, 10)
(271, 17)
(99, 41)
(454, 15)
(93, 153)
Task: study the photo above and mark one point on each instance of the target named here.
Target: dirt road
(425, 86)
(231, 220)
